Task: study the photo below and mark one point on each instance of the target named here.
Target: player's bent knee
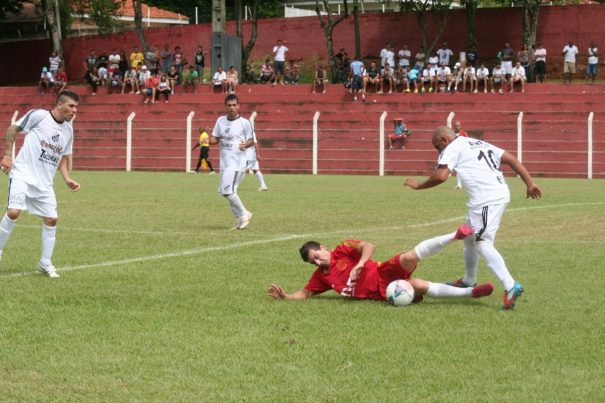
(50, 221)
(12, 213)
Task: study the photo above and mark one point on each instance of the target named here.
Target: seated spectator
(482, 77)
(149, 91)
(115, 82)
(190, 79)
(401, 78)
(373, 77)
(163, 86)
(320, 78)
(292, 73)
(498, 78)
(142, 75)
(54, 63)
(413, 78)
(173, 77)
(388, 77)
(46, 81)
(427, 78)
(93, 79)
(457, 77)
(517, 76)
(60, 80)
(131, 78)
(232, 80)
(469, 76)
(219, 80)
(400, 134)
(266, 72)
(102, 65)
(443, 77)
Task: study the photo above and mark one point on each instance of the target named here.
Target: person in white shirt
(114, 63)
(47, 145)
(444, 54)
(443, 77)
(498, 77)
(235, 135)
(252, 158)
(47, 81)
(482, 77)
(569, 59)
(390, 57)
(54, 62)
(404, 56)
(388, 78)
(540, 58)
(428, 77)
(477, 163)
(384, 54)
(517, 76)
(592, 68)
(457, 77)
(468, 76)
(219, 80)
(280, 61)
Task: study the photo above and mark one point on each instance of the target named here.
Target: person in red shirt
(350, 271)
(60, 80)
(458, 130)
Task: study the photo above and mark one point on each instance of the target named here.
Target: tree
(51, 8)
(531, 10)
(356, 29)
(102, 12)
(328, 23)
(138, 23)
(438, 9)
(247, 50)
(470, 7)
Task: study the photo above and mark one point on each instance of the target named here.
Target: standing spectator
(199, 59)
(54, 63)
(93, 79)
(592, 68)
(280, 61)
(190, 80)
(60, 80)
(482, 77)
(526, 58)
(518, 76)
(123, 64)
(136, 57)
(232, 80)
(342, 66)
(235, 135)
(498, 78)
(434, 60)
(102, 65)
(47, 145)
(478, 165)
(569, 55)
(390, 58)
(507, 55)
(219, 80)
(357, 72)
(46, 81)
(178, 59)
(540, 57)
(204, 146)
(472, 57)
(384, 54)
(444, 54)
(404, 56)
(114, 63)
(420, 57)
(152, 59)
(166, 56)
(266, 72)
(163, 88)
(320, 78)
(91, 60)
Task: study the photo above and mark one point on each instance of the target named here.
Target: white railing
(188, 144)
(589, 162)
(129, 141)
(315, 140)
(520, 137)
(381, 143)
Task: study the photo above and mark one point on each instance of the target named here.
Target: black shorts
(204, 152)
(280, 67)
(357, 83)
(540, 68)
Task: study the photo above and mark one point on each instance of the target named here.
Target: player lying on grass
(350, 271)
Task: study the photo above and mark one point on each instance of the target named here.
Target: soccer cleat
(262, 188)
(49, 270)
(510, 297)
(463, 231)
(211, 173)
(459, 283)
(482, 290)
(244, 220)
(500, 91)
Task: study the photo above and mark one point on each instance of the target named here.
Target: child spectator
(321, 78)
(400, 134)
(292, 73)
(46, 81)
(190, 79)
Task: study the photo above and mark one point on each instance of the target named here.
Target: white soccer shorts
(22, 196)
(485, 221)
(229, 182)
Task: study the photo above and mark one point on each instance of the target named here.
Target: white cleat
(49, 270)
(262, 188)
(244, 220)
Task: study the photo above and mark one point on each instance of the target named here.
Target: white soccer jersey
(477, 164)
(231, 133)
(251, 151)
(46, 142)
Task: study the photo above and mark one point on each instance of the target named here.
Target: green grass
(159, 301)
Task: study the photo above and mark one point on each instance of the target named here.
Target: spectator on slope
(320, 78)
(178, 59)
(123, 64)
(173, 77)
(152, 59)
(93, 79)
(592, 68)
(266, 72)
(482, 77)
(420, 56)
(60, 80)
(427, 78)
(472, 57)
(390, 58)
(219, 80)
(413, 79)
(54, 63)
(163, 87)
(131, 79)
(443, 77)
(506, 56)
(445, 54)
(143, 74)
(136, 57)
(199, 61)
(517, 76)
(150, 89)
(498, 78)
(166, 56)
(232, 80)
(469, 76)
(525, 57)
(457, 77)
(384, 54)
(91, 60)
(400, 135)
(114, 63)
(569, 59)
(540, 67)
(401, 78)
(388, 77)
(404, 55)
(372, 77)
(102, 65)
(342, 66)
(190, 80)
(357, 74)
(434, 61)
(279, 51)
(115, 82)
(46, 81)
(292, 73)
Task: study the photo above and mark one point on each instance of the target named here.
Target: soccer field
(159, 301)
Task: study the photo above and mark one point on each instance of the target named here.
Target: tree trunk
(247, 50)
(328, 25)
(531, 10)
(356, 29)
(53, 25)
(471, 12)
(138, 23)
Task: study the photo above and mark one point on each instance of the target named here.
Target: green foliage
(266, 9)
(10, 6)
(159, 301)
(102, 12)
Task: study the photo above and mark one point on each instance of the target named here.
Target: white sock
(261, 179)
(434, 245)
(495, 262)
(48, 244)
(458, 181)
(471, 261)
(6, 227)
(438, 290)
(237, 207)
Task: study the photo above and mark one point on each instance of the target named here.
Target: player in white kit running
(477, 163)
(47, 145)
(235, 135)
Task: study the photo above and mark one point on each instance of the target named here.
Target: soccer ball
(400, 293)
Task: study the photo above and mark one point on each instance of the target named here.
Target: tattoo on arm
(10, 139)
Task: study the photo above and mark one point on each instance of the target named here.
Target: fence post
(589, 162)
(381, 143)
(129, 141)
(520, 137)
(13, 121)
(315, 141)
(188, 145)
(450, 118)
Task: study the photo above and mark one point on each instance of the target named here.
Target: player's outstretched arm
(533, 190)
(439, 176)
(276, 292)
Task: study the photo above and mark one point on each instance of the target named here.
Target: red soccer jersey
(342, 259)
